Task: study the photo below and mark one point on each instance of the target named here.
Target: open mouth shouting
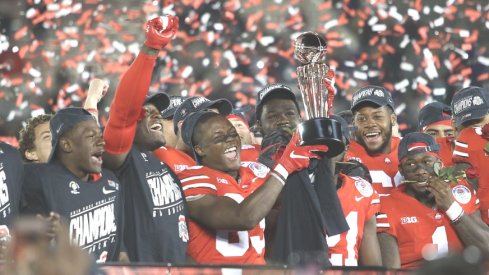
(372, 137)
(156, 127)
(96, 158)
(231, 153)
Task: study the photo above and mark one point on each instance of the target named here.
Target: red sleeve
(384, 224)
(177, 160)
(126, 106)
(196, 183)
(374, 206)
(466, 197)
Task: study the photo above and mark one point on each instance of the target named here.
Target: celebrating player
(228, 199)
(35, 139)
(74, 185)
(374, 145)
(427, 216)
(155, 219)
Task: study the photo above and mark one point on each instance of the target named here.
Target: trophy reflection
(310, 49)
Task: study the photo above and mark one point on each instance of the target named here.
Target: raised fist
(97, 89)
(160, 31)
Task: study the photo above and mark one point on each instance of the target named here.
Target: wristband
(278, 177)
(280, 169)
(454, 212)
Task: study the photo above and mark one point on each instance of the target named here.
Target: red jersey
(249, 152)
(446, 150)
(174, 158)
(417, 227)
(360, 202)
(224, 246)
(469, 148)
(383, 167)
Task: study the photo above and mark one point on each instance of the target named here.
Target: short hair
(27, 135)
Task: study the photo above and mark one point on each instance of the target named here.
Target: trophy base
(322, 131)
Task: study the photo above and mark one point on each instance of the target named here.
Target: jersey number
(336, 259)
(439, 238)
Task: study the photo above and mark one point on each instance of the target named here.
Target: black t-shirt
(11, 172)
(93, 210)
(155, 212)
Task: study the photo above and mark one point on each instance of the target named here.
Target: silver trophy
(310, 49)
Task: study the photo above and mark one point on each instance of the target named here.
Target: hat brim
(160, 100)
(168, 113)
(366, 101)
(468, 116)
(224, 106)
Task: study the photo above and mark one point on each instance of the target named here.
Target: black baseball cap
(415, 143)
(63, 121)
(470, 103)
(159, 100)
(175, 101)
(190, 123)
(273, 91)
(199, 103)
(379, 96)
(433, 112)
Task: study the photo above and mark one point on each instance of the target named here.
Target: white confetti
(360, 75)
(379, 28)
(414, 14)
(483, 60)
(72, 88)
(267, 40)
(187, 71)
(328, 25)
(401, 85)
(439, 91)
(405, 66)
(34, 73)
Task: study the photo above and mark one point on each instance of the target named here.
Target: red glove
(329, 83)
(156, 35)
(296, 158)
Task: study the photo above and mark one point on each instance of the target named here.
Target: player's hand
(296, 158)
(97, 90)
(441, 191)
(160, 31)
(4, 242)
(329, 83)
(272, 147)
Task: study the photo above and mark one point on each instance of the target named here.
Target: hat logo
(361, 94)
(379, 93)
(463, 104)
(270, 88)
(477, 100)
(196, 102)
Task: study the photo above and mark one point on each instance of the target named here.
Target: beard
(382, 147)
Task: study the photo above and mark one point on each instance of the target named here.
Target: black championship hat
(199, 103)
(377, 95)
(273, 91)
(470, 103)
(416, 143)
(190, 123)
(432, 113)
(63, 121)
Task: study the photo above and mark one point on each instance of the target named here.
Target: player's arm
(129, 98)
(369, 251)
(470, 228)
(96, 91)
(223, 213)
(389, 250)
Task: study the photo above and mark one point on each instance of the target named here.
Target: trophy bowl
(322, 131)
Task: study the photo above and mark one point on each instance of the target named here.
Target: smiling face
(218, 145)
(149, 132)
(374, 128)
(83, 147)
(418, 168)
(279, 114)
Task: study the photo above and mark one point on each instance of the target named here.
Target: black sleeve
(33, 200)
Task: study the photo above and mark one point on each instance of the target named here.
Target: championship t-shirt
(155, 216)
(93, 210)
(11, 172)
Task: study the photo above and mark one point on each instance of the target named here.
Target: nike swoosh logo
(294, 156)
(359, 198)
(107, 191)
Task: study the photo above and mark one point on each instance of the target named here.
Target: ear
(394, 118)
(65, 145)
(31, 155)
(200, 152)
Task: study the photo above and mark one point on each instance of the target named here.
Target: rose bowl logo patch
(461, 194)
(363, 187)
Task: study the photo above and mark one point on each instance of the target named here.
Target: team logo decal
(363, 187)
(113, 184)
(259, 169)
(477, 100)
(74, 188)
(182, 228)
(461, 194)
(379, 93)
(387, 160)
